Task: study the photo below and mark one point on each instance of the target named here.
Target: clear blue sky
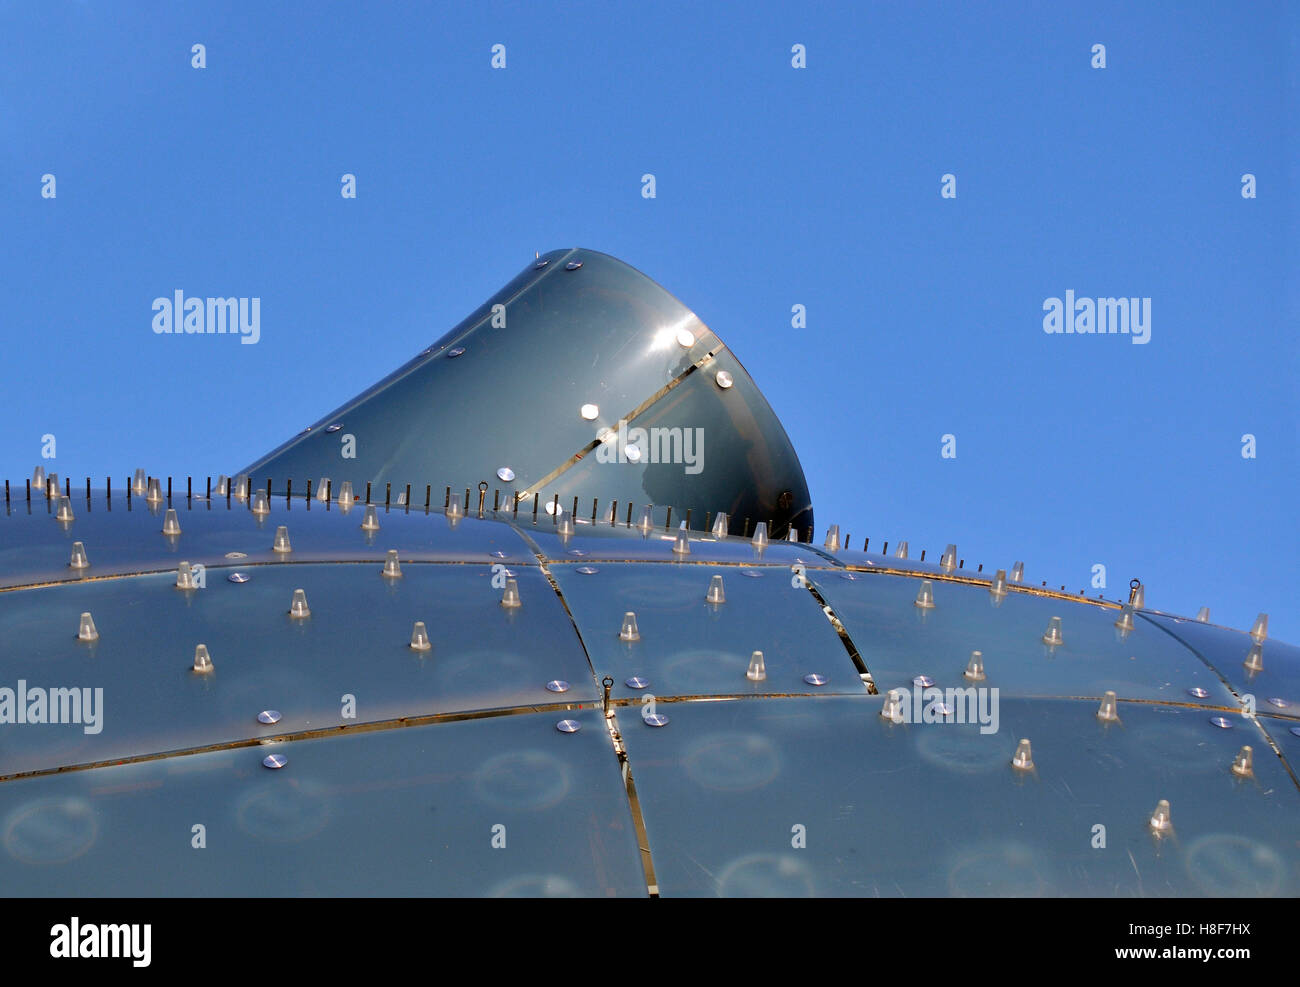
(775, 186)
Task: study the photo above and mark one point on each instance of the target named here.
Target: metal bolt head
(505, 474)
(654, 719)
(637, 682)
(1278, 703)
(568, 726)
(587, 570)
(557, 685)
(685, 338)
(1196, 692)
(274, 761)
(923, 681)
(455, 351)
(589, 412)
(573, 265)
(1222, 722)
(333, 426)
(268, 716)
(238, 577)
(812, 678)
(724, 379)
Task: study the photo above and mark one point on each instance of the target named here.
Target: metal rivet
(269, 716)
(1197, 692)
(506, 474)
(238, 577)
(202, 660)
(557, 685)
(724, 379)
(1222, 722)
(812, 678)
(654, 719)
(568, 726)
(589, 412)
(923, 681)
(333, 426)
(86, 631)
(587, 570)
(275, 761)
(1161, 820)
(685, 338)
(455, 351)
(636, 682)
(1023, 759)
(573, 265)
(633, 454)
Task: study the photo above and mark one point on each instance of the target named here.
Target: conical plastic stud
(647, 521)
(392, 569)
(185, 576)
(1161, 820)
(1260, 629)
(759, 541)
(38, 480)
(792, 533)
(202, 660)
(346, 497)
(1052, 636)
(1203, 615)
(715, 593)
(1018, 572)
(223, 484)
(720, 526)
(420, 637)
(892, 709)
(975, 667)
(925, 595)
(298, 605)
(64, 511)
(323, 491)
(155, 495)
(454, 508)
(833, 538)
(171, 523)
(259, 504)
(1023, 759)
(757, 670)
(281, 543)
(629, 631)
(371, 521)
(999, 585)
(1255, 658)
(1109, 711)
(682, 543)
(1125, 619)
(240, 492)
(139, 483)
(900, 552)
(949, 558)
(510, 595)
(1243, 765)
(86, 631)
(52, 485)
(79, 558)
(565, 527)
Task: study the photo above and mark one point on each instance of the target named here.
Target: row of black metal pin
(428, 494)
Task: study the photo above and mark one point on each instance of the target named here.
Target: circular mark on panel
(732, 762)
(765, 875)
(523, 780)
(1011, 870)
(536, 886)
(284, 813)
(51, 830)
(1227, 865)
(961, 748)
